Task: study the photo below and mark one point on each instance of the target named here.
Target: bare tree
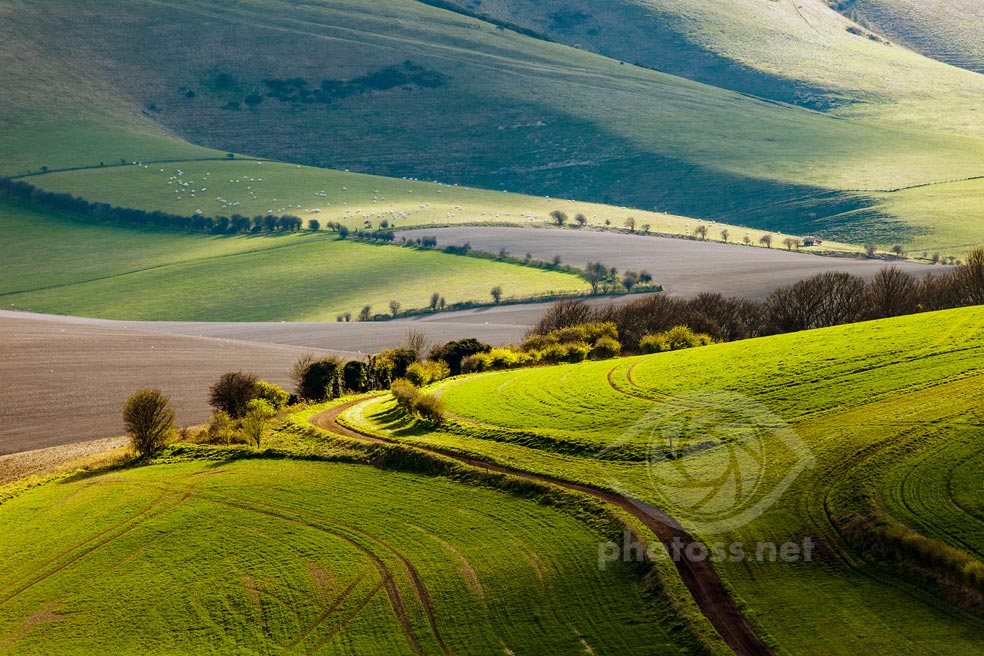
(496, 293)
(724, 235)
(701, 231)
(395, 307)
(416, 341)
(766, 240)
(563, 314)
(891, 293)
(790, 243)
(581, 219)
(826, 299)
(630, 224)
(365, 314)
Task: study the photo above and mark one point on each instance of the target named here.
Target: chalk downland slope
(454, 98)
(882, 418)
(274, 555)
(951, 31)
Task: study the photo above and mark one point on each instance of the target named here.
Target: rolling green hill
(405, 89)
(862, 438)
(800, 52)
(222, 188)
(277, 555)
(951, 32)
(118, 272)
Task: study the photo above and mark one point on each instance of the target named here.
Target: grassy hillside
(951, 31)
(479, 106)
(322, 557)
(117, 272)
(881, 417)
(221, 188)
(799, 52)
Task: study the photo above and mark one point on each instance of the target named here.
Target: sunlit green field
(315, 557)
(516, 113)
(876, 418)
(223, 188)
(117, 272)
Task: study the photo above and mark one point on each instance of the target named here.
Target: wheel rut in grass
(700, 578)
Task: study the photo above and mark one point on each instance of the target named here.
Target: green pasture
(117, 272)
(882, 415)
(314, 557)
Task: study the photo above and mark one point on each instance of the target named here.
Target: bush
(259, 412)
(232, 391)
(605, 348)
(149, 420)
(453, 353)
(275, 395)
(405, 393)
(679, 337)
(355, 376)
(321, 380)
(221, 428)
(429, 408)
(397, 360)
(425, 373)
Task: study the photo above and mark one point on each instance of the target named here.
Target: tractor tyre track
(700, 578)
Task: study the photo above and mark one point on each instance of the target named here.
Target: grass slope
(514, 112)
(322, 557)
(798, 52)
(116, 272)
(250, 187)
(947, 31)
(887, 410)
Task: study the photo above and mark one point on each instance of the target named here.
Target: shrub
(259, 412)
(221, 429)
(425, 373)
(605, 348)
(355, 376)
(676, 338)
(429, 408)
(321, 380)
(405, 393)
(232, 391)
(397, 360)
(453, 353)
(149, 420)
(275, 395)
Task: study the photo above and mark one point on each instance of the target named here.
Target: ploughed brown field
(64, 381)
(684, 267)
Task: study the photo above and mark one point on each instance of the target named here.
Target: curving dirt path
(699, 577)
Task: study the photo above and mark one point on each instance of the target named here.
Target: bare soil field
(63, 381)
(684, 267)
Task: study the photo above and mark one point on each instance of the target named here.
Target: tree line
(104, 212)
(826, 299)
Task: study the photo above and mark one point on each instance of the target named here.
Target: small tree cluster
(826, 299)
